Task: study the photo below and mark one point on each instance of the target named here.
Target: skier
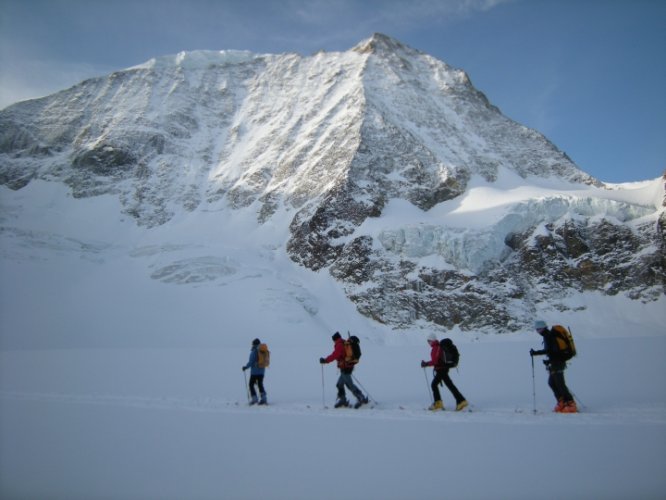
(346, 370)
(256, 375)
(556, 366)
(441, 374)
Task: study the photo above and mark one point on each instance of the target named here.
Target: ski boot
(342, 403)
(254, 400)
(263, 401)
(569, 407)
(559, 406)
(437, 405)
(462, 405)
(362, 400)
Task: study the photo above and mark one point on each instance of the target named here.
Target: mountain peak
(379, 43)
(374, 165)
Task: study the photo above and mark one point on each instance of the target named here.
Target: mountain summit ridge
(124, 125)
(332, 140)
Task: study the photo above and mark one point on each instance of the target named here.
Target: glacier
(480, 249)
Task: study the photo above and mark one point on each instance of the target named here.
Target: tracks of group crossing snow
(654, 414)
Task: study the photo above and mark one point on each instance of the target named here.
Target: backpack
(564, 342)
(263, 356)
(448, 353)
(352, 350)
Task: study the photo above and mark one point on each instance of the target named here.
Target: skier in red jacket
(441, 375)
(346, 370)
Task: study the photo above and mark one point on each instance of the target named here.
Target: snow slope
(84, 264)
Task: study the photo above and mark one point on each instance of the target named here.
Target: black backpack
(448, 353)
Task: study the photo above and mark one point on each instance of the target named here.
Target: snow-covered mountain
(380, 168)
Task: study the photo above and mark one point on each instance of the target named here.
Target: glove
(244, 368)
(322, 361)
(424, 364)
(532, 351)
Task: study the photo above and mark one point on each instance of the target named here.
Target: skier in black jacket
(556, 366)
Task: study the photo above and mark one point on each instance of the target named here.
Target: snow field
(173, 423)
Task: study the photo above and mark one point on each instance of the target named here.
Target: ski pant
(443, 376)
(557, 384)
(347, 380)
(259, 381)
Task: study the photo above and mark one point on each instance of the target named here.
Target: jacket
(551, 350)
(435, 356)
(252, 363)
(338, 355)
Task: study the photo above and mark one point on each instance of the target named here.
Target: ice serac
(335, 141)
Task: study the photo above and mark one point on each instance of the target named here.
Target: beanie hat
(336, 336)
(540, 324)
(256, 342)
(432, 338)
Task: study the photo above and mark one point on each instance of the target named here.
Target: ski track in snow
(647, 414)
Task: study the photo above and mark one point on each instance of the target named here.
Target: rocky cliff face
(542, 259)
(332, 140)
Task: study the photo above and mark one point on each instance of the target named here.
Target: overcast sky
(589, 74)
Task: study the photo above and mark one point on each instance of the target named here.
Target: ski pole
(533, 388)
(247, 389)
(425, 375)
(364, 389)
(323, 392)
